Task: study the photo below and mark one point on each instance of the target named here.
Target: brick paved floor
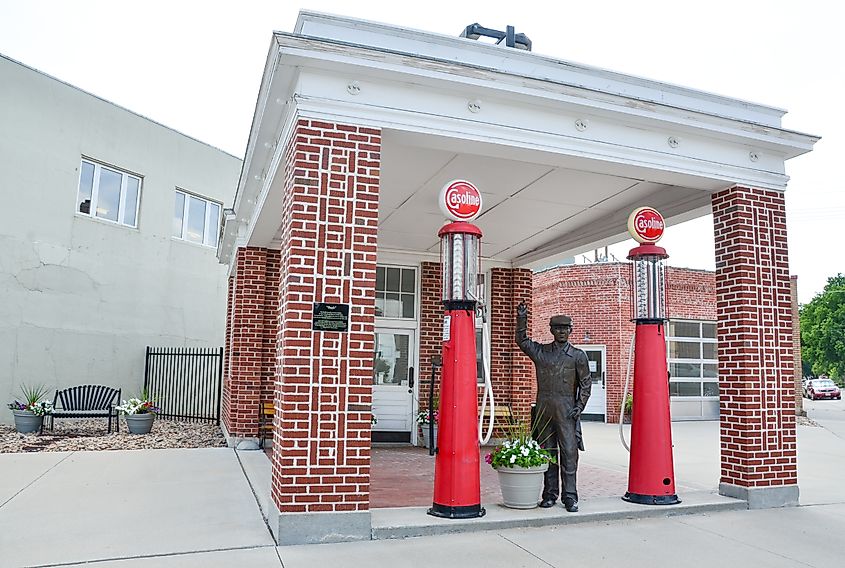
(403, 476)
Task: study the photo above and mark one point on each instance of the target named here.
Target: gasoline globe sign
(460, 200)
(646, 225)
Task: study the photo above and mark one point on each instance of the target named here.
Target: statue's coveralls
(563, 383)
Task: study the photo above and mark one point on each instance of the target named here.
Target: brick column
(431, 326)
(227, 343)
(511, 371)
(248, 354)
(757, 390)
(321, 463)
(269, 366)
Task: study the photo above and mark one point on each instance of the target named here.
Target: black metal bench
(86, 401)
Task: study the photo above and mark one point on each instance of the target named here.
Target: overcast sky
(196, 65)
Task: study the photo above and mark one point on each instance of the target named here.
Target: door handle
(410, 377)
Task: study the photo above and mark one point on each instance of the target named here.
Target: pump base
(463, 512)
(651, 499)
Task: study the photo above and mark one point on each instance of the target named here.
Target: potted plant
(424, 419)
(139, 413)
(521, 463)
(29, 414)
(628, 408)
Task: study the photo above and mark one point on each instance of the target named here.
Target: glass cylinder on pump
(648, 301)
(460, 256)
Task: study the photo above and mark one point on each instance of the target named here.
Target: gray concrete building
(109, 237)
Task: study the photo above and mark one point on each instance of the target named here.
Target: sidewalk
(186, 508)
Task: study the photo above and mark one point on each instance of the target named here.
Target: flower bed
(90, 435)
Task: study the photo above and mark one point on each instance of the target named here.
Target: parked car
(822, 388)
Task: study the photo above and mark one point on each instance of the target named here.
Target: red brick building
(333, 251)
(598, 298)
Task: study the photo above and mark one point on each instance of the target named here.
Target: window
(108, 194)
(196, 220)
(396, 292)
(693, 368)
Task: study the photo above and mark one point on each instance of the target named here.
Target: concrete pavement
(86, 506)
(186, 508)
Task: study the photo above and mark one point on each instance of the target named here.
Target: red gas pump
(457, 487)
(651, 474)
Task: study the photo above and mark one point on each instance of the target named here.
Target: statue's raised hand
(522, 310)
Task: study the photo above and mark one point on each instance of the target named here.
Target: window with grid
(108, 193)
(196, 220)
(396, 292)
(693, 368)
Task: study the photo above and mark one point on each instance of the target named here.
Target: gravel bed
(804, 421)
(90, 434)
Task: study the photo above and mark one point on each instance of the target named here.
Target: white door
(596, 406)
(393, 384)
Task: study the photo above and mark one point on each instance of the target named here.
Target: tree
(823, 330)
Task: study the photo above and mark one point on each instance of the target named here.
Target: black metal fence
(185, 381)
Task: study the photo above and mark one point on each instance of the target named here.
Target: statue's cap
(560, 320)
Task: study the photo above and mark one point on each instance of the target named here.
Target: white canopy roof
(561, 152)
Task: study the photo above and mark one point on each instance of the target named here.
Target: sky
(195, 66)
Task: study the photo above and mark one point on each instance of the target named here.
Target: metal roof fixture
(512, 39)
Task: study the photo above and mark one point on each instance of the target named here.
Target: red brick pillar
(431, 327)
(269, 363)
(511, 372)
(321, 462)
(247, 352)
(757, 389)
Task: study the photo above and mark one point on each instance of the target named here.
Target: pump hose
(488, 389)
(625, 393)
(432, 443)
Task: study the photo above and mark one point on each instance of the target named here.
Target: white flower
(513, 459)
(524, 451)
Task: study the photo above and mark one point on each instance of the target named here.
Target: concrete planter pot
(27, 422)
(140, 423)
(425, 441)
(521, 486)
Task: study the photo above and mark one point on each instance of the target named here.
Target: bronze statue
(563, 387)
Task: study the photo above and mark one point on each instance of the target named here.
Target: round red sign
(646, 225)
(460, 200)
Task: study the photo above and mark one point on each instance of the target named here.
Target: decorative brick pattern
(755, 339)
(321, 458)
(250, 339)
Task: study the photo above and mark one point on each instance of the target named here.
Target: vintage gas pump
(651, 475)
(457, 487)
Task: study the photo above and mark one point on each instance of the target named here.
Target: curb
(409, 522)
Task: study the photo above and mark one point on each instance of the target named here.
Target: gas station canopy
(561, 152)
